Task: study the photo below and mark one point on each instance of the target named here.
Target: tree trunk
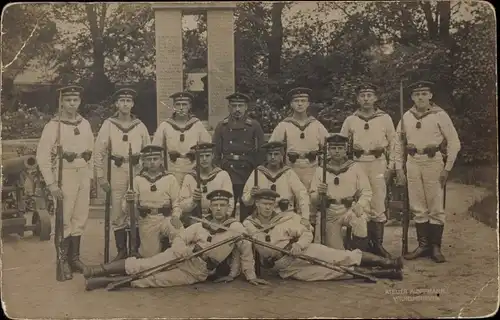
(432, 25)
(275, 41)
(444, 11)
(99, 84)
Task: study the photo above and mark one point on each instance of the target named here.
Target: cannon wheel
(43, 227)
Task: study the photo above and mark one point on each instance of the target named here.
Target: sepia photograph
(249, 159)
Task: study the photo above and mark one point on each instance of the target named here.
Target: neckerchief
(150, 179)
(336, 170)
(269, 175)
(75, 122)
(134, 123)
(376, 114)
(432, 110)
(189, 124)
(298, 125)
(211, 229)
(211, 176)
(258, 224)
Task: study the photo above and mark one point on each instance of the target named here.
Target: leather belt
(71, 156)
(120, 160)
(347, 202)
(377, 152)
(144, 212)
(430, 151)
(311, 156)
(174, 155)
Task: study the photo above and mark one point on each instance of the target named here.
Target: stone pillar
(221, 69)
(169, 64)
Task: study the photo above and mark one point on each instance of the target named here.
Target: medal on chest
(153, 188)
(302, 135)
(273, 187)
(419, 125)
(268, 238)
(204, 188)
(182, 137)
(367, 125)
(125, 137)
(76, 131)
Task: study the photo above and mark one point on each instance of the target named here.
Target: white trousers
(119, 186)
(76, 201)
(299, 269)
(188, 272)
(424, 190)
(180, 168)
(375, 170)
(305, 170)
(338, 216)
(152, 229)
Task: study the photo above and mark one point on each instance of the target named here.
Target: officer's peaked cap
(238, 97)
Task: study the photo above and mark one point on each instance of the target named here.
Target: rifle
(59, 219)
(165, 154)
(323, 198)
(256, 184)
(131, 206)
(307, 258)
(256, 175)
(198, 212)
(107, 210)
(406, 204)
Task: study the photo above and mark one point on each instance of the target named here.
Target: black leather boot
(121, 244)
(65, 251)
(134, 251)
(372, 260)
(101, 282)
(359, 243)
(435, 237)
(74, 259)
(115, 267)
(377, 238)
(423, 249)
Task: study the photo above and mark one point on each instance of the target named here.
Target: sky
(189, 22)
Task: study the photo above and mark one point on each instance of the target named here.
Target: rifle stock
(107, 212)
(406, 205)
(131, 206)
(323, 197)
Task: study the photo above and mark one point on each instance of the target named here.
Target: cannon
(24, 193)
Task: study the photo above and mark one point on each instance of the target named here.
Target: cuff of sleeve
(448, 166)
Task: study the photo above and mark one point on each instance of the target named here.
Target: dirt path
(467, 284)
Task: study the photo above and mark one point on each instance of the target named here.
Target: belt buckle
(236, 157)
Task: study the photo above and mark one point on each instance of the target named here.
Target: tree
(26, 34)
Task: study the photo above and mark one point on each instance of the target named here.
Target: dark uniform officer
(235, 139)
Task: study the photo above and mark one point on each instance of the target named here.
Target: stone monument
(169, 63)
